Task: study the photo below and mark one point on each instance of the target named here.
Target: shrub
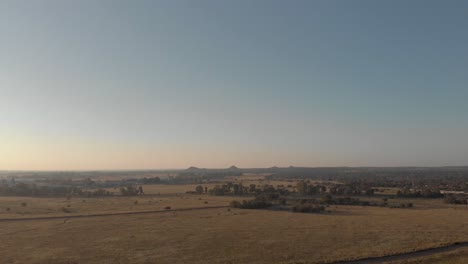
(217, 191)
(23, 204)
(235, 204)
(308, 208)
(167, 207)
(199, 189)
(251, 204)
(455, 199)
(129, 190)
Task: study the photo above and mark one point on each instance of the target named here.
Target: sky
(87, 85)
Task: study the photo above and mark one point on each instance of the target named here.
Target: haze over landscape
(87, 85)
(233, 131)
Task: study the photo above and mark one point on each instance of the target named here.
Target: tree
(217, 191)
(235, 188)
(312, 189)
(129, 190)
(323, 189)
(328, 199)
(301, 187)
(199, 189)
(241, 190)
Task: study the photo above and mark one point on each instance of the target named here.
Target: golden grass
(235, 236)
(54, 206)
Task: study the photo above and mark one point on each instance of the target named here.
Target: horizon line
(224, 168)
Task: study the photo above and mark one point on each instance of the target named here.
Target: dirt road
(406, 256)
(108, 214)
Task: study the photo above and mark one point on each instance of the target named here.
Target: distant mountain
(233, 168)
(192, 168)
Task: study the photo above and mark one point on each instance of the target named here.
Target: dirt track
(109, 214)
(406, 256)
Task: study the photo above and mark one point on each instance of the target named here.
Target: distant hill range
(192, 168)
(196, 169)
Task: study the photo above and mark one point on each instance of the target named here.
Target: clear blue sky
(170, 84)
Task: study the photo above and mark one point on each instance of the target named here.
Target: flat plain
(223, 235)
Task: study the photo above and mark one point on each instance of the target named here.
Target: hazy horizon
(213, 168)
(124, 85)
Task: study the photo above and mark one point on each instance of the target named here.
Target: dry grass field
(15, 207)
(222, 235)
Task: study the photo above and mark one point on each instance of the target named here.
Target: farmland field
(225, 235)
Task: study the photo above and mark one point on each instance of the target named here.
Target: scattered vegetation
(308, 208)
(251, 204)
(456, 199)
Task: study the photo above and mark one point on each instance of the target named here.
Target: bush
(235, 204)
(167, 208)
(282, 201)
(251, 204)
(199, 189)
(454, 199)
(308, 208)
(129, 190)
(23, 204)
(217, 191)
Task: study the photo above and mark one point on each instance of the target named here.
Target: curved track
(407, 255)
(109, 214)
